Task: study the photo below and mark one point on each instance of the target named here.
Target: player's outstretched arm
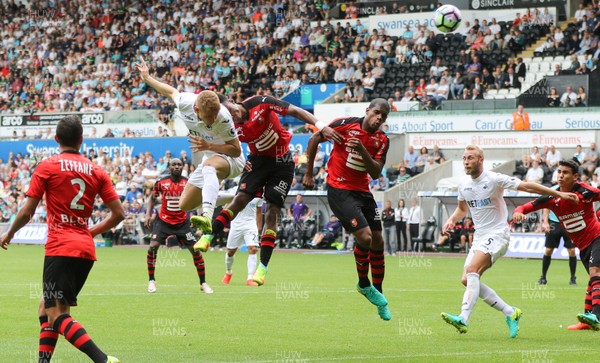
(373, 166)
(160, 87)
(309, 118)
(459, 213)
(22, 218)
(531, 187)
(308, 181)
(117, 214)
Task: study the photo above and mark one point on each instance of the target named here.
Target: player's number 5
(79, 195)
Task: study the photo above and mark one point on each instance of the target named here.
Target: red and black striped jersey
(263, 131)
(346, 168)
(71, 183)
(578, 219)
(171, 193)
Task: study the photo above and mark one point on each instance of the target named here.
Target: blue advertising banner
(134, 146)
(531, 245)
(156, 145)
(306, 96)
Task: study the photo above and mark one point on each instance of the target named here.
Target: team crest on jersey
(232, 132)
(166, 185)
(243, 186)
(354, 222)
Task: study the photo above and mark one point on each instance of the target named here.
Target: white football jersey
(485, 198)
(247, 217)
(222, 130)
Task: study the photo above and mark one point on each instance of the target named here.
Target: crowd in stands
(80, 56)
(540, 166)
(569, 98)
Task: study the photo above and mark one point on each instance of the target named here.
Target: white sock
(210, 190)
(229, 263)
(471, 295)
(490, 297)
(251, 265)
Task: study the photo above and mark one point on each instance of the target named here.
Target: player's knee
(594, 271)
(464, 280)
(252, 250)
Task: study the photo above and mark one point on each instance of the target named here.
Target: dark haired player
(172, 221)
(272, 166)
(360, 155)
(581, 224)
(70, 182)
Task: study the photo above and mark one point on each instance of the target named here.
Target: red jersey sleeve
(268, 103)
(383, 149)
(107, 190)
(39, 181)
(587, 192)
(539, 203)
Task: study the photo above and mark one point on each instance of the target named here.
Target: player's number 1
(79, 195)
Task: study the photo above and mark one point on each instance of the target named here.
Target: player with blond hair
(211, 127)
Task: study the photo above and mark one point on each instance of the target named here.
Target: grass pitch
(308, 311)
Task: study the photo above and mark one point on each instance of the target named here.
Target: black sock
(76, 335)
(573, 265)
(267, 244)
(545, 264)
(221, 221)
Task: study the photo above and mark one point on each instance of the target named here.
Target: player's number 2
(79, 195)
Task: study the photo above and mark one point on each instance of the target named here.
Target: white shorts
(236, 166)
(237, 236)
(494, 244)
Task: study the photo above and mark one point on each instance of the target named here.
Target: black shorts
(355, 210)
(590, 257)
(556, 232)
(63, 278)
(272, 174)
(182, 232)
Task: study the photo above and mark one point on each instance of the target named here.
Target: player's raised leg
(214, 169)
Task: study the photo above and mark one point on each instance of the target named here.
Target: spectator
(520, 120)
(437, 155)
(579, 154)
(457, 86)
(380, 184)
(108, 133)
(422, 160)
(553, 157)
(328, 234)
(403, 176)
(295, 185)
(414, 219)
(389, 228)
(535, 174)
(590, 161)
(568, 98)
(553, 98)
(400, 217)
(510, 80)
(132, 193)
(581, 100)
(410, 160)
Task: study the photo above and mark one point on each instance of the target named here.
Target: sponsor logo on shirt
(478, 203)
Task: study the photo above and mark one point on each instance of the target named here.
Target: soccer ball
(447, 18)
